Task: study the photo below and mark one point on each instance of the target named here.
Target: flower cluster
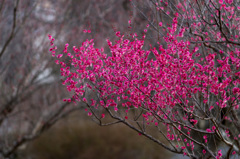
(178, 88)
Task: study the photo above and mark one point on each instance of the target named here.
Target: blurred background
(34, 121)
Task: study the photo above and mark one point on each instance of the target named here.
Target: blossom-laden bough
(189, 92)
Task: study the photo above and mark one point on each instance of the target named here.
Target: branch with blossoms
(189, 92)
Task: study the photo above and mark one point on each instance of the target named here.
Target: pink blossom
(219, 154)
(204, 151)
(229, 1)
(183, 147)
(236, 90)
(103, 116)
(89, 114)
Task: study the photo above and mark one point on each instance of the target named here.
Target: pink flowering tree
(185, 97)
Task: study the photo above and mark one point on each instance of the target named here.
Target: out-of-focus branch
(40, 127)
(12, 34)
(10, 105)
(1, 6)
